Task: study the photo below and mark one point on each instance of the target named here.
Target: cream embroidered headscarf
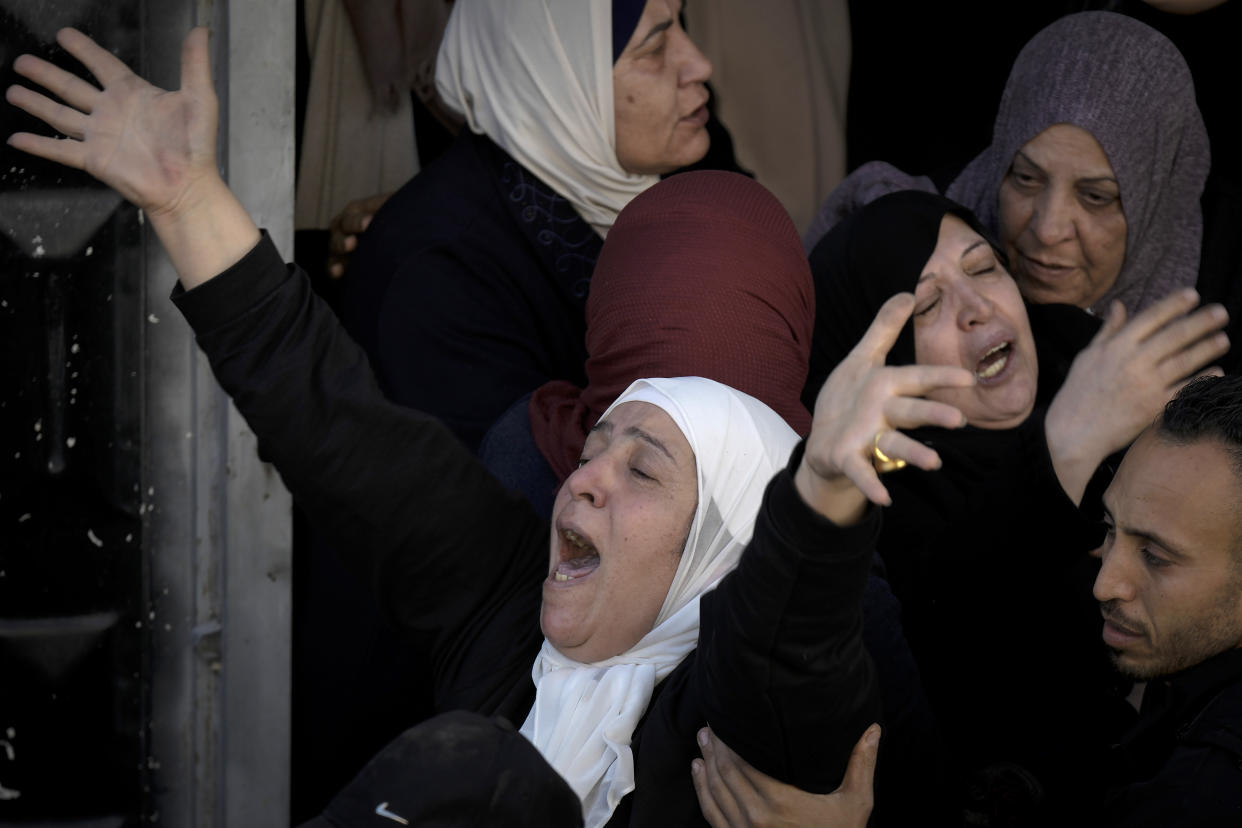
(535, 76)
(585, 714)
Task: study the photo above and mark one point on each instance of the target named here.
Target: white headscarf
(585, 714)
(535, 76)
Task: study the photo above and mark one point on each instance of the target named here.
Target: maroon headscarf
(701, 275)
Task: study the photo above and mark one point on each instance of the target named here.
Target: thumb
(196, 61)
(860, 772)
(1113, 322)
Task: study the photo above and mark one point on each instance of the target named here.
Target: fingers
(863, 475)
(352, 223)
(1183, 330)
(1114, 322)
(711, 811)
(65, 151)
(861, 771)
(342, 243)
(105, 66)
(914, 412)
(918, 380)
(196, 61)
(1152, 319)
(65, 85)
(898, 446)
(879, 338)
(59, 117)
(723, 783)
(1190, 361)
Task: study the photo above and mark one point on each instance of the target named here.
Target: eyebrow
(605, 427)
(931, 275)
(1095, 179)
(1147, 535)
(655, 30)
(966, 252)
(635, 431)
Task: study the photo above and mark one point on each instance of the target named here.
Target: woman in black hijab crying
(987, 553)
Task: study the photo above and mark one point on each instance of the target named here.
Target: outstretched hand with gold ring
(855, 433)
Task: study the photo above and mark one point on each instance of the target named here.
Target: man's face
(1170, 588)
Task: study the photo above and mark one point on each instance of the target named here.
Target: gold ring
(881, 461)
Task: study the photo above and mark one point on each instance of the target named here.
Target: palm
(149, 144)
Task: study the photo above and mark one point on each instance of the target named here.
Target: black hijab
(880, 250)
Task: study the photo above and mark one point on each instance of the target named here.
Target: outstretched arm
(786, 681)
(157, 148)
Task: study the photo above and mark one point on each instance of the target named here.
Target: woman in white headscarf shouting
(469, 288)
(695, 570)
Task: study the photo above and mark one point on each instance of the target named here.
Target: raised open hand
(152, 146)
(1120, 382)
(861, 407)
(156, 148)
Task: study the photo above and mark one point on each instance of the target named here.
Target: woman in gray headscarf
(1093, 178)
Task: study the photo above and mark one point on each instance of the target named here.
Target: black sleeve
(786, 680)
(453, 557)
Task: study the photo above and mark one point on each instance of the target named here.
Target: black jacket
(1181, 762)
(459, 562)
(469, 288)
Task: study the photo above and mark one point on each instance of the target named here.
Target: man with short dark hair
(1170, 592)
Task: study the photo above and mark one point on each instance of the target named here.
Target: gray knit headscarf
(1128, 86)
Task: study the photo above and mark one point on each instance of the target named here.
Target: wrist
(833, 496)
(1072, 460)
(206, 231)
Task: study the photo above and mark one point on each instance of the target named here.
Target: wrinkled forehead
(648, 395)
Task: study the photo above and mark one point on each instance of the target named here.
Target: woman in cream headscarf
(469, 287)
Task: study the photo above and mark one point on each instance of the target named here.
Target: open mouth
(994, 361)
(578, 557)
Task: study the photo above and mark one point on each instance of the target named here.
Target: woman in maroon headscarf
(702, 275)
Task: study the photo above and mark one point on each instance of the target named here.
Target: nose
(694, 66)
(1052, 220)
(973, 307)
(1114, 581)
(590, 481)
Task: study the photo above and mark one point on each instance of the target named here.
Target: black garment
(1181, 762)
(987, 554)
(459, 562)
(469, 288)
(988, 558)
(454, 770)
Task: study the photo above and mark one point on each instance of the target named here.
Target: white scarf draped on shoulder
(584, 715)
